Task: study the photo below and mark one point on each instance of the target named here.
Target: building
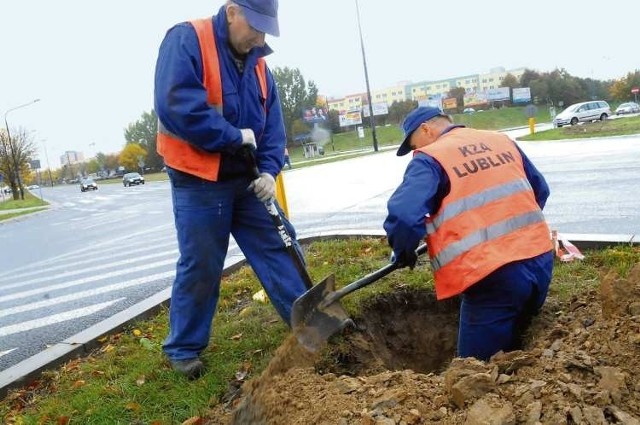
(424, 90)
(71, 157)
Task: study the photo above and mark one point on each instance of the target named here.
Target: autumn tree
(15, 153)
(295, 96)
(131, 155)
(143, 132)
(621, 89)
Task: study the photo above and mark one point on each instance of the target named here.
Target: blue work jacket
(181, 100)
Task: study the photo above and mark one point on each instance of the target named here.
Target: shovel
(270, 205)
(317, 314)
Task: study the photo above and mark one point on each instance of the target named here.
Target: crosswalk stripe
(84, 294)
(51, 288)
(4, 353)
(56, 318)
(94, 269)
(151, 245)
(115, 243)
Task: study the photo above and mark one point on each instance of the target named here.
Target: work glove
(264, 187)
(248, 138)
(404, 259)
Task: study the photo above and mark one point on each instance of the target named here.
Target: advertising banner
(475, 98)
(313, 115)
(378, 109)
(522, 95)
(450, 103)
(350, 118)
(501, 93)
(432, 101)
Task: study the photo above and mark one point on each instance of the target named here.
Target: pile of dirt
(580, 366)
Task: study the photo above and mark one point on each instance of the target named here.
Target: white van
(583, 112)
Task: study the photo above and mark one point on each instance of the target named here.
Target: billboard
(522, 95)
(501, 93)
(434, 101)
(475, 98)
(450, 103)
(350, 118)
(378, 109)
(313, 115)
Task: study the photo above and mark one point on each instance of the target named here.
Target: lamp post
(366, 77)
(46, 156)
(14, 157)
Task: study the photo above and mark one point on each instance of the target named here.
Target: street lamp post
(366, 77)
(46, 156)
(14, 157)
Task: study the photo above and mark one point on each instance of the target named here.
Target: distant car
(131, 179)
(469, 110)
(33, 187)
(6, 189)
(583, 112)
(88, 184)
(628, 108)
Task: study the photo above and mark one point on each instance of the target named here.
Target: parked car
(132, 178)
(468, 110)
(33, 187)
(583, 112)
(628, 108)
(6, 189)
(88, 184)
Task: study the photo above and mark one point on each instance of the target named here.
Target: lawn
(612, 127)
(127, 380)
(29, 201)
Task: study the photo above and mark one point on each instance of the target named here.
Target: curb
(84, 342)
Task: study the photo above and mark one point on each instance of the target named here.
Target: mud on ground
(580, 365)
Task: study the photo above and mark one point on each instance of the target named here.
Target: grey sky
(91, 62)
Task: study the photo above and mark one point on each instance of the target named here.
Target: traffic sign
(531, 111)
(635, 90)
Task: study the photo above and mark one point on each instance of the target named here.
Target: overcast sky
(91, 62)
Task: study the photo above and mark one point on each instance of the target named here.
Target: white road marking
(51, 288)
(56, 318)
(84, 294)
(4, 353)
(115, 252)
(142, 258)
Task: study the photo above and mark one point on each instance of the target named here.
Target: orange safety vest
(489, 218)
(179, 153)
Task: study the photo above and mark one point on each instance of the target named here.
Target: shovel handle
(277, 222)
(368, 279)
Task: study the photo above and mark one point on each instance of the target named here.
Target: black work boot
(191, 368)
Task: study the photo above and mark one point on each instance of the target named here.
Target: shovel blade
(314, 317)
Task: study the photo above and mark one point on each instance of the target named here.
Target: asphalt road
(96, 253)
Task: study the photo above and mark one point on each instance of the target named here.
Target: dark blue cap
(262, 15)
(412, 122)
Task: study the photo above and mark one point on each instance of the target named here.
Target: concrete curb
(84, 342)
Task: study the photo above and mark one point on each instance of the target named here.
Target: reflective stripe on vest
(487, 220)
(180, 154)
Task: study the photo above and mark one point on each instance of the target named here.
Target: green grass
(127, 380)
(29, 201)
(617, 127)
(7, 216)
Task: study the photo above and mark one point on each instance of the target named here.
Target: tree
(15, 153)
(621, 89)
(143, 132)
(131, 155)
(399, 110)
(295, 96)
(458, 93)
(510, 81)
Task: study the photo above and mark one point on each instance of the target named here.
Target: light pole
(366, 77)
(46, 156)
(14, 157)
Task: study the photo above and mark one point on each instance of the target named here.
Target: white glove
(248, 138)
(264, 187)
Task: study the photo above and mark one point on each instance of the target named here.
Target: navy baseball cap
(262, 15)
(412, 122)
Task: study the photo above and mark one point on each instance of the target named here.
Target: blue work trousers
(496, 311)
(206, 213)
